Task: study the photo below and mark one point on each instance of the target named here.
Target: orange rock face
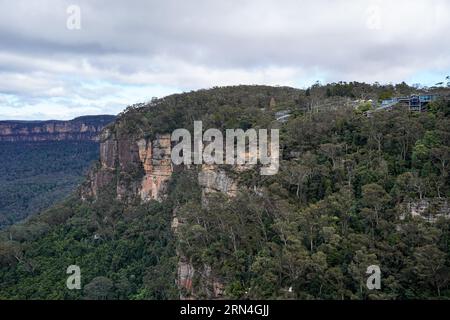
(155, 158)
(125, 154)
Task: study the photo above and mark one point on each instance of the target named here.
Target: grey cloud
(191, 44)
(222, 34)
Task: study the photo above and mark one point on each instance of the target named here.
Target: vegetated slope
(36, 175)
(352, 191)
(43, 161)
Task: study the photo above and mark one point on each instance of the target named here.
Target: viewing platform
(413, 102)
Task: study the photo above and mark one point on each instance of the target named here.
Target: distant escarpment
(85, 128)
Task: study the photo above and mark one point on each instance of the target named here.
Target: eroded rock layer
(80, 129)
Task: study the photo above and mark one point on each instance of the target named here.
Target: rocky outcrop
(208, 285)
(138, 167)
(80, 129)
(185, 276)
(211, 180)
(104, 173)
(430, 209)
(155, 157)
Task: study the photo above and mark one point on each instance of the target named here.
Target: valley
(42, 162)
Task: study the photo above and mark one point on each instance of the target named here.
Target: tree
(409, 183)
(331, 151)
(295, 260)
(358, 268)
(374, 129)
(297, 175)
(374, 199)
(100, 288)
(441, 156)
(10, 253)
(430, 267)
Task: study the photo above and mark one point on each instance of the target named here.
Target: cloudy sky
(56, 66)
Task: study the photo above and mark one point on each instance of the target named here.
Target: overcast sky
(130, 51)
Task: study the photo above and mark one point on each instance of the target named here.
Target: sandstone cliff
(155, 158)
(140, 168)
(137, 167)
(80, 129)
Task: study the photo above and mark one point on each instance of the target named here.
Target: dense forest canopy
(343, 200)
(36, 175)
